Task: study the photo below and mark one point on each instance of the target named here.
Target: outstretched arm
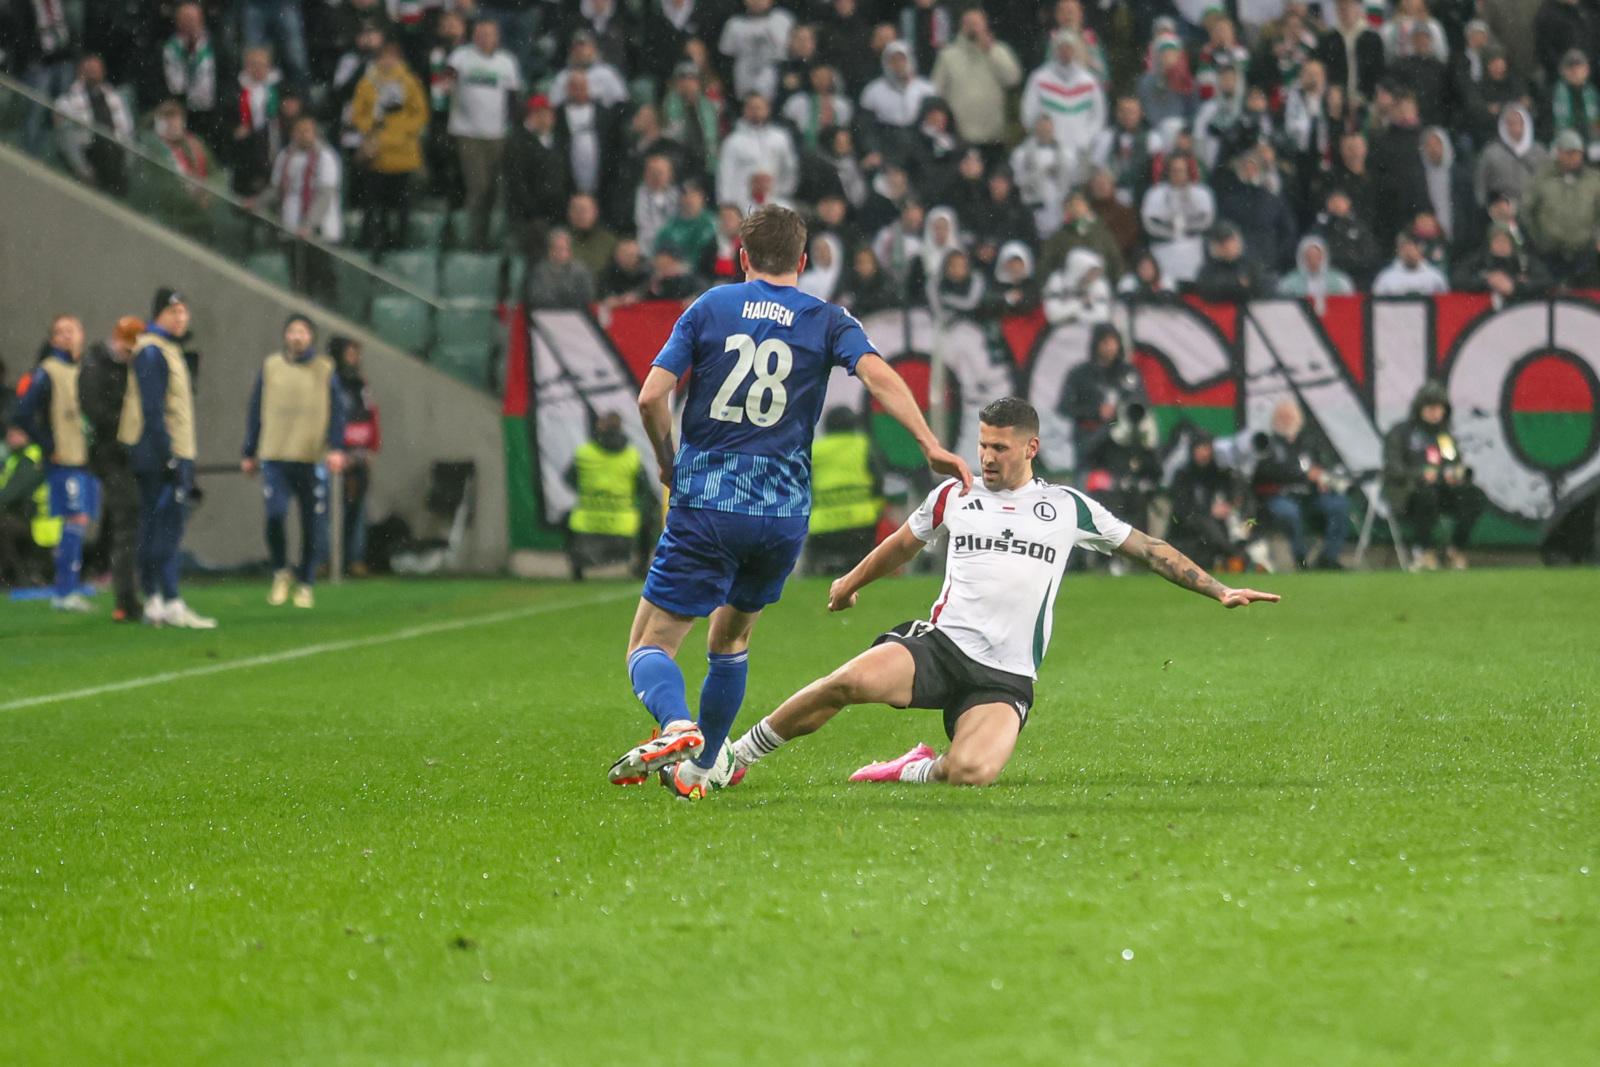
(1179, 569)
(655, 408)
(898, 549)
(890, 390)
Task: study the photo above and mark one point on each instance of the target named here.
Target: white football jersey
(1008, 551)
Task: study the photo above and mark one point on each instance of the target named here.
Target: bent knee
(961, 771)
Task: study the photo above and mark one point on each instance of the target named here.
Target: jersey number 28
(767, 397)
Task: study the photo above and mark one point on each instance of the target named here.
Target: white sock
(918, 770)
(760, 740)
(678, 725)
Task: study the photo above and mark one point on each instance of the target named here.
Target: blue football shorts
(73, 491)
(706, 559)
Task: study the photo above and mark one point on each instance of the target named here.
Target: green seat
(427, 229)
(465, 361)
(402, 321)
(273, 266)
(460, 225)
(467, 322)
(356, 286)
(516, 272)
(420, 270)
(470, 276)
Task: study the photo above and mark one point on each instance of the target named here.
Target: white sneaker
(280, 589)
(179, 614)
(303, 597)
(155, 610)
(71, 602)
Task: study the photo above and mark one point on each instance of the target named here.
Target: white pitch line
(313, 650)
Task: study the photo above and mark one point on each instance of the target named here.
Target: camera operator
(1095, 390)
(1293, 477)
(1424, 478)
(1124, 470)
(1206, 524)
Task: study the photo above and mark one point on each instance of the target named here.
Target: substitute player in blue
(48, 412)
(761, 352)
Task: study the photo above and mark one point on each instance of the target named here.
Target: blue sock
(658, 683)
(720, 698)
(69, 558)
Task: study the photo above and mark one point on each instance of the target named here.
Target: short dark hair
(774, 238)
(1011, 411)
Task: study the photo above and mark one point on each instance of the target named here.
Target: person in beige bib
(294, 435)
(48, 413)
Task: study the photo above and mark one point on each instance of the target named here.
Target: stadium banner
(1522, 378)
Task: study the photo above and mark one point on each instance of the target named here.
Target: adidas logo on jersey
(768, 309)
(976, 505)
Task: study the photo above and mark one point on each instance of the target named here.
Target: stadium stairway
(66, 248)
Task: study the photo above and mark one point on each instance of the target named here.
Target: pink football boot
(890, 772)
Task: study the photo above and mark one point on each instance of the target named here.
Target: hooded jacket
(1091, 384)
(897, 103)
(1315, 285)
(1506, 166)
(749, 149)
(1412, 447)
(1071, 95)
(1080, 291)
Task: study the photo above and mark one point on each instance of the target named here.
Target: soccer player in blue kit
(761, 352)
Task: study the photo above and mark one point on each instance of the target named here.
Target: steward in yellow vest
(48, 413)
(294, 434)
(25, 493)
(611, 481)
(157, 426)
(846, 493)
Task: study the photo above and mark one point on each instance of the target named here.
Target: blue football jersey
(760, 355)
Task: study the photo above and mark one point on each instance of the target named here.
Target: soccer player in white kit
(978, 654)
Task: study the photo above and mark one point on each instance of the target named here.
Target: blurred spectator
(1353, 176)
(941, 235)
(1314, 277)
(257, 139)
(189, 69)
(957, 290)
(824, 274)
(560, 281)
(722, 255)
(655, 202)
(518, 22)
(1425, 74)
(623, 280)
(1352, 51)
(280, 24)
(972, 74)
(1449, 188)
(444, 163)
(335, 31)
(1177, 212)
(1562, 211)
(898, 248)
(1044, 172)
(590, 241)
(187, 206)
(1410, 274)
(307, 188)
(693, 229)
(1080, 291)
(1205, 502)
(1559, 26)
(1507, 165)
(819, 108)
(605, 82)
(800, 59)
(363, 438)
(39, 39)
(867, 288)
(390, 112)
(1262, 216)
(1501, 269)
(613, 487)
(1221, 51)
(1144, 280)
(927, 26)
(538, 181)
(1067, 15)
(102, 391)
(892, 103)
(1216, 118)
(1400, 31)
(1574, 104)
(1128, 148)
(837, 151)
(693, 120)
(485, 79)
(1230, 272)
(26, 526)
(352, 65)
(668, 26)
(845, 43)
(1014, 290)
(1121, 220)
(1067, 92)
(1167, 92)
(1424, 478)
(1484, 101)
(609, 27)
(1399, 187)
(1097, 389)
(591, 140)
(756, 42)
(847, 484)
(889, 192)
(670, 276)
(999, 217)
(96, 158)
(756, 145)
(833, 217)
(934, 152)
(1293, 481)
(1080, 228)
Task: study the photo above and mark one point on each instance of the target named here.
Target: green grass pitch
(1358, 827)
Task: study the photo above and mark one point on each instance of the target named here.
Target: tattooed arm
(1179, 569)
